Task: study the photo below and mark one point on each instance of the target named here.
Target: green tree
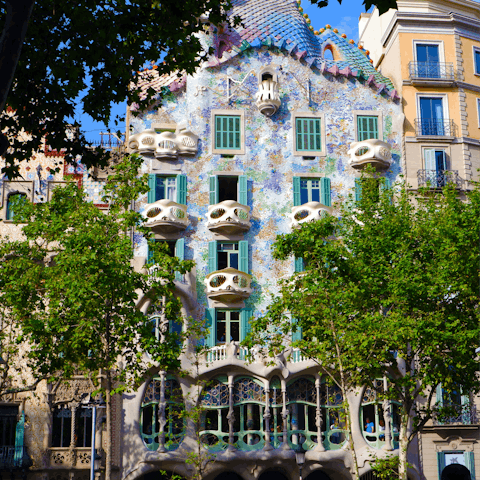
(74, 298)
(390, 290)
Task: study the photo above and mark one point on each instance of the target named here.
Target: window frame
(368, 113)
(438, 43)
(476, 66)
(442, 96)
(12, 187)
(309, 153)
(228, 322)
(228, 113)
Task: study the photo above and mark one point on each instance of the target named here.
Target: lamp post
(300, 458)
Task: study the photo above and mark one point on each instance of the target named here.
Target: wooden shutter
(181, 189)
(242, 189)
(439, 397)
(245, 315)
(180, 254)
(152, 180)
(367, 127)
(308, 133)
(358, 189)
(440, 464)
(212, 257)
(296, 191)
(470, 463)
(227, 132)
(429, 157)
(211, 324)
(150, 254)
(325, 194)
(243, 255)
(298, 334)
(213, 190)
(19, 437)
(299, 266)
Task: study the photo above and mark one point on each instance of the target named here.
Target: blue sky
(344, 17)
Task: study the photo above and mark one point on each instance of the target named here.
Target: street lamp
(300, 458)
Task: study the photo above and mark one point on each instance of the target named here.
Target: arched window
(373, 421)
(302, 407)
(11, 199)
(333, 422)
(161, 417)
(215, 402)
(248, 408)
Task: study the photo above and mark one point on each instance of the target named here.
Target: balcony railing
(228, 217)
(14, 457)
(370, 152)
(461, 415)
(65, 457)
(231, 350)
(431, 71)
(308, 212)
(439, 178)
(166, 216)
(434, 128)
(268, 99)
(228, 285)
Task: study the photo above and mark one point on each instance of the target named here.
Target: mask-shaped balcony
(165, 216)
(228, 285)
(268, 99)
(370, 152)
(308, 212)
(228, 217)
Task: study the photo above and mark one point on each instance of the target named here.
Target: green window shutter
(325, 194)
(470, 463)
(242, 189)
(149, 255)
(182, 189)
(151, 185)
(180, 254)
(440, 464)
(213, 190)
(243, 255)
(439, 393)
(211, 324)
(308, 134)
(227, 132)
(298, 334)
(296, 192)
(367, 127)
(245, 315)
(386, 185)
(212, 256)
(19, 437)
(358, 189)
(299, 266)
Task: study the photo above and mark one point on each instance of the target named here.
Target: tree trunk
(402, 454)
(108, 439)
(348, 420)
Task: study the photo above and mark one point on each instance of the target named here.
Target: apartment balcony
(228, 217)
(308, 212)
(228, 285)
(268, 99)
(166, 216)
(230, 351)
(12, 458)
(439, 178)
(459, 415)
(431, 74)
(370, 152)
(435, 128)
(66, 457)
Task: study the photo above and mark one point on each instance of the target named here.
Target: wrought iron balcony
(370, 152)
(228, 285)
(460, 415)
(165, 216)
(12, 458)
(431, 71)
(268, 99)
(308, 212)
(228, 217)
(439, 178)
(427, 127)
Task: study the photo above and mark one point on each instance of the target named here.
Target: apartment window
(428, 60)
(433, 117)
(228, 255)
(160, 326)
(11, 200)
(435, 162)
(367, 127)
(371, 186)
(176, 248)
(228, 187)
(227, 325)
(228, 132)
(8, 422)
(311, 190)
(164, 187)
(309, 138)
(460, 464)
(476, 60)
(62, 427)
(459, 408)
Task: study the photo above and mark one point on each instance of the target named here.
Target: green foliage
(70, 290)
(386, 468)
(390, 288)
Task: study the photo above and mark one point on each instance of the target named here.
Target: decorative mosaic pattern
(215, 395)
(302, 390)
(152, 391)
(248, 390)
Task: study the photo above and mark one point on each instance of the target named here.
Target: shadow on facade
(455, 471)
(228, 476)
(272, 475)
(318, 475)
(161, 475)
